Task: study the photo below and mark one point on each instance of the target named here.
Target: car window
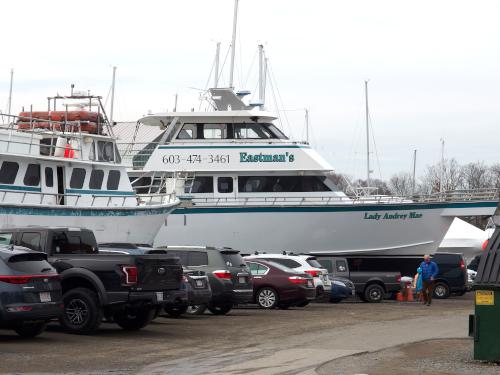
(182, 255)
(233, 259)
(74, 243)
(33, 263)
(325, 263)
(286, 262)
(6, 238)
(197, 258)
(262, 270)
(314, 263)
(31, 240)
(254, 267)
(341, 266)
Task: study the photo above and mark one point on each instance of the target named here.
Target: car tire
(374, 293)
(82, 313)
(134, 320)
(267, 298)
(196, 309)
(29, 330)
(441, 290)
(175, 311)
(303, 304)
(220, 309)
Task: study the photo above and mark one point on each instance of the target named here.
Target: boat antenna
(216, 68)
(9, 105)
(368, 171)
(175, 103)
(112, 97)
(307, 125)
(233, 44)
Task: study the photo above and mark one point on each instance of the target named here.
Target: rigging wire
(370, 123)
(273, 78)
(250, 68)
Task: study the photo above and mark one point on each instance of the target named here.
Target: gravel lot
(253, 341)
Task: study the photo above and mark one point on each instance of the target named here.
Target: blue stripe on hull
(338, 208)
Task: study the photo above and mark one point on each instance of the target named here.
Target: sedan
(341, 289)
(275, 285)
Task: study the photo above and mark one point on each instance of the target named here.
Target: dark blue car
(342, 288)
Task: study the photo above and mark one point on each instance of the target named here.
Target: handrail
(141, 199)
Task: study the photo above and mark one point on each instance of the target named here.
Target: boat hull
(384, 229)
(134, 225)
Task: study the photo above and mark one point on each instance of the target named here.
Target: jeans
(427, 290)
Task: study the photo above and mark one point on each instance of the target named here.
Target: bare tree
(476, 176)
(495, 175)
(401, 184)
(451, 173)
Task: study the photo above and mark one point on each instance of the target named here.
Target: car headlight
(339, 283)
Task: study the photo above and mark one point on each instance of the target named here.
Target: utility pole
(112, 97)
(233, 44)
(216, 70)
(367, 136)
(414, 170)
(9, 105)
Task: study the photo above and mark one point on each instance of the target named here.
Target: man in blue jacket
(429, 273)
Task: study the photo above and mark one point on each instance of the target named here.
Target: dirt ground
(211, 343)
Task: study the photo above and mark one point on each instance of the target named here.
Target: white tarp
(463, 237)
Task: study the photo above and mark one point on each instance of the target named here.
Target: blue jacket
(428, 270)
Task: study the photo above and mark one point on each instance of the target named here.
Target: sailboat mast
(367, 136)
(216, 69)
(112, 97)
(9, 105)
(262, 75)
(233, 44)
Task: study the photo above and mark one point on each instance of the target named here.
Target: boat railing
(84, 200)
(135, 155)
(448, 196)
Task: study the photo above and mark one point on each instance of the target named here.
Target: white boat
(68, 172)
(252, 188)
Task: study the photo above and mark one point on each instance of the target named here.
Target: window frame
(91, 185)
(36, 176)
(12, 179)
(113, 172)
(71, 181)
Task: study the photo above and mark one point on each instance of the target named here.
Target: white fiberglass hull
(382, 229)
(134, 225)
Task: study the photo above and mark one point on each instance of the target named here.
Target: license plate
(199, 283)
(159, 296)
(242, 280)
(45, 297)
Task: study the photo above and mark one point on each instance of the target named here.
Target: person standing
(429, 273)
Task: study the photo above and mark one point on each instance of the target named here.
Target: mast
(112, 97)
(233, 44)
(216, 70)
(414, 170)
(261, 74)
(307, 125)
(367, 136)
(441, 177)
(9, 105)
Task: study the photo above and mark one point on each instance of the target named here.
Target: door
(60, 186)
(341, 268)
(49, 184)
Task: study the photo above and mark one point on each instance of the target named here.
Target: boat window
(251, 131)
(47, 146)
(142, 185)
(113, 180)
(105, 151)
(31, 240)
(225, 185)
(92, 151)
(201, 184)
(49, 177)
(188, 131)
(197, 258)
(8, 172)
(77, 178)
(277, 133)
(214, 131)
(282, 184)
(96, 178)
(32, 176)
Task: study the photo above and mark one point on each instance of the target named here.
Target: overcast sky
(433, 66)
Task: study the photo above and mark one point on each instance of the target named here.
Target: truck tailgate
(158, 272)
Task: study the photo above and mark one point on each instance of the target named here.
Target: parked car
(342, 288)
(30, 291)
(301, 263)
(195, 288)
(124, 288)
(452, 276)
(275, 285)
(371, 286)
(228, 276)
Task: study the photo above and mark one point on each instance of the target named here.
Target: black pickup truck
(127, 289)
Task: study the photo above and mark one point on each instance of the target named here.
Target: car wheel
(175, 311)
(303, 304)
(196, 309)
(30, 329)
(82, 313)
(267, 298)
(220, 309)
(319, 291)
(134, 320)
(335, 300)
(441, 290)
(374, 293)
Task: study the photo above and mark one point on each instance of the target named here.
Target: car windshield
(233, 259)
(314, 263)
